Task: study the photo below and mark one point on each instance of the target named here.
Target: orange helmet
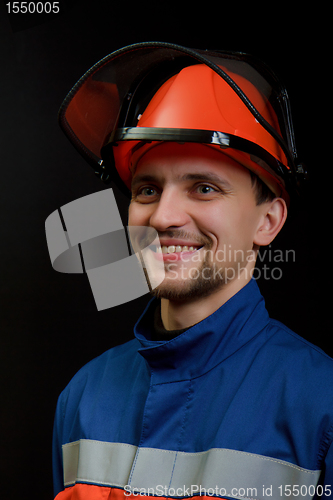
(154, 92)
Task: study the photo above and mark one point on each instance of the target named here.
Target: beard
(208, 279)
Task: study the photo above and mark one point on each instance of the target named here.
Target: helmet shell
(198, 98)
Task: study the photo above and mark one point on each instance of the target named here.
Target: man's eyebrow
(138, 179)
(207, 176)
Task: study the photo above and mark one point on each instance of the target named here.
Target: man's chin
(200, 286)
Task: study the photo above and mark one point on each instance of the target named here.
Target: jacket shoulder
(299, 351)
(111, 361)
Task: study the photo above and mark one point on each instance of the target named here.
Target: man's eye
(145, 194)
(205, 189)
(147, 191)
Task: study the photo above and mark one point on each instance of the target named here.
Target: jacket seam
(190, 392)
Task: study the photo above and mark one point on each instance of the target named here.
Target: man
(212, 397)
(195, 197)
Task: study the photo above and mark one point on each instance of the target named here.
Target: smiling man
(201, 202)
(212, 397)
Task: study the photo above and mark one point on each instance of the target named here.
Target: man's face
(203, 206)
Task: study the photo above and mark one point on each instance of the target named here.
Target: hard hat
(154, 92)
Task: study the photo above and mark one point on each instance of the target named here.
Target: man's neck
(177, 315)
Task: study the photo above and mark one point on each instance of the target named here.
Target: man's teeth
(175, 249)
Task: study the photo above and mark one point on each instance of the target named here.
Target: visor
(103, 106)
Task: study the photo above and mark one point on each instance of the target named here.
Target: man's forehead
(184, 163)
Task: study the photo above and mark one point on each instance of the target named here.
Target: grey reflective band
(150, 471)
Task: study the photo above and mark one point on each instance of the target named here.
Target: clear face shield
(102, 108)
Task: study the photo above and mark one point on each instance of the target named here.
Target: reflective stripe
(172, 473)
(98, 462)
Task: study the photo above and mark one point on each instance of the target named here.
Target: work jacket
(238, 406)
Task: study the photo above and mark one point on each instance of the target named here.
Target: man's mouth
(176, 249)
(175, 252)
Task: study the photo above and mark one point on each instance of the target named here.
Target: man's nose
(170, 212)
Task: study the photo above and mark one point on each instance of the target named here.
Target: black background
(50, 326)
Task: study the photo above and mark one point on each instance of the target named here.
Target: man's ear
(273, 216)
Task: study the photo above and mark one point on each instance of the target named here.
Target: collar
(207, 343)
